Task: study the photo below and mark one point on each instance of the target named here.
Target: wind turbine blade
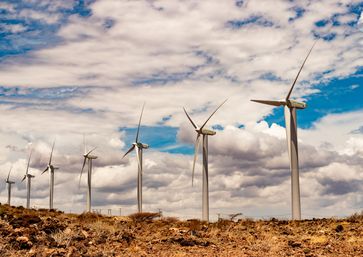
(297, 76)
(46, 169)
(138, 127)
(23, 178)
(51, 153)
(27, 167)
(196, 148)
(9, 173)
(84, 164)
(128, 151)
(268, 102)
(213, 114)
(91, 151)
(190, 119)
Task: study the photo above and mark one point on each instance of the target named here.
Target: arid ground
(53, 233)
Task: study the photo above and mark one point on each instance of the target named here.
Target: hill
(52, 233)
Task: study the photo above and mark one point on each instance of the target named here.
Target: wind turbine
(139, 147)
(9, 182)
(51, 170)
(88, 158)
(205, 132)
(290, 107)
(28, 177)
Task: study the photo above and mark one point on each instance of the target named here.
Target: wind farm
(117, 138)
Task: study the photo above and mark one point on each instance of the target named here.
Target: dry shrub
(356, 217)
(101, 226)
(2, 210)
(144, 216)
(61, 238)
(89, 217)
(223, 223)
(169, 220)
(194, 224)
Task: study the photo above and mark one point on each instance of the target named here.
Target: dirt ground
(52, 233)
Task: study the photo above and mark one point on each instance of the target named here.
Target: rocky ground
(52, 233)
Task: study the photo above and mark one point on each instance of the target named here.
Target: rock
(294, 244)
(102, 239)
(243, 228)
(79, 237)
(339, 228)
(127, 237)
(22, 239)
(24, 242)
(24, 221)
(84, 233)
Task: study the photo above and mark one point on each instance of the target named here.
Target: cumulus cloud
(171, 54)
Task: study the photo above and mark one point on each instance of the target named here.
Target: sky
(74, 68)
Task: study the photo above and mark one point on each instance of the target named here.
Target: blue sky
(69, 68)
(35, 33)
(335, 96)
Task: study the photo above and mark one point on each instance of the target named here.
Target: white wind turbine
(205, 132)
(138, 146)
(51, 170)
(9, 182)
(290, 107)
(28, 177)
(88, 158)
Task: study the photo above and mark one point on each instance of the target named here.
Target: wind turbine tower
(51, 170)
(290, 107)
(88, 158)
(138, 147)
(9, 182)
(29, 178)
(205, 133)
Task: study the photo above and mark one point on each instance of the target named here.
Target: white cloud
(196, 60)
(50, 18)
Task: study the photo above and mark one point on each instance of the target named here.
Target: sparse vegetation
(89, 217)
(26, 232)
(144, 216)
(356, 217)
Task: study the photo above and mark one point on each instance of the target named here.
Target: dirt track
(43, 233)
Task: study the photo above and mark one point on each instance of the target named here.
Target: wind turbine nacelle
(296, 104)
(92, 157)
(208, 132)
(141, 145)
(145, 146)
